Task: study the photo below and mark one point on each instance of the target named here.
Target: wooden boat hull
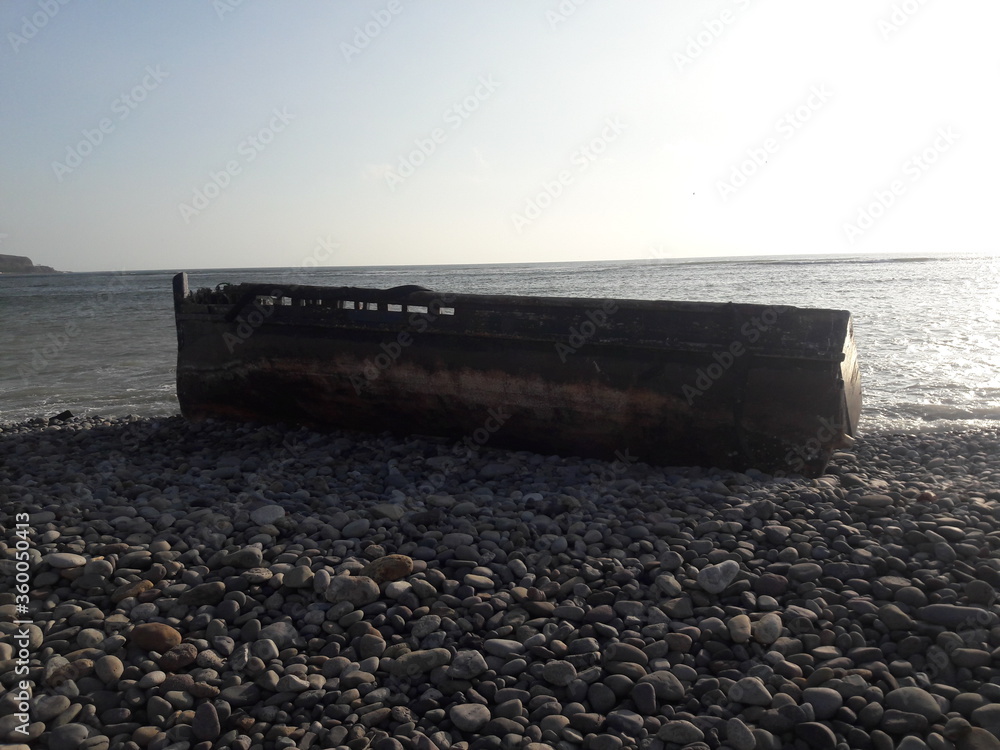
(669, 383)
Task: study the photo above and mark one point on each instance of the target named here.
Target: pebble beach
(254, 587)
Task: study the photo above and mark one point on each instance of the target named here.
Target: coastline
(247, 586)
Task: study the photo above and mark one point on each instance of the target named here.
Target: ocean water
(927, 328)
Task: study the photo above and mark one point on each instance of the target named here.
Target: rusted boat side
(669, 383)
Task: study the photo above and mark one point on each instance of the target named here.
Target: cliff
(21, 264)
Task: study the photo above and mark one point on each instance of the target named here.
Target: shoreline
(225, 585)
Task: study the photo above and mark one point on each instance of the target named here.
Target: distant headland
(21, 264)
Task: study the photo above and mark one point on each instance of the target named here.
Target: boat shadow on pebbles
(235, 586)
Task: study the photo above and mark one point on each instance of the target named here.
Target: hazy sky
(191, 134)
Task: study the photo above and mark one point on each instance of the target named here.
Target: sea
(927, 327)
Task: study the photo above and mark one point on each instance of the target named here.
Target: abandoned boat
(669, 383)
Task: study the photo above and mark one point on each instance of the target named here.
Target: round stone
(739, 628)
(805, 571)
(109, 668)
(469, 717)
(155, 636)
(284, 634)
(467, 665)
(503, 647)
(48, 707)
(388, 568)
(750, 691)
(257, 575)
(206, 724)
(267, 514)
(980, 592)
(178, 657)
(392, 511)
(417, 662)
(767, 629)
(68, 736)
(128, 590)
(559, 673)
(914, 700)
(970, 658)
(895, 618)
(605, 742)
(665, 685)
(816, 735)
(770, 584)
(481, 583)
(987, 717)
(356, 529)
(238, 696)
(248, 557)
(205, 593)
(64, 560)
(714, 579)
(152, 679)
(625, 653)
(680, 733)
(298, 577)
(355, 590)
(739, 736)
(825, 701)
(291, 683)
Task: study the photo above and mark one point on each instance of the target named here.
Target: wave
(808, 262)
(935, 412)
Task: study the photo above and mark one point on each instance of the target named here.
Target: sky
(189, 134)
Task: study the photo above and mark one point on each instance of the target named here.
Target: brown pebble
(388, 568)
(144, 735)
(155, 636)
(181, 682)
(178, 657)
(131, 589)
(203, 690)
